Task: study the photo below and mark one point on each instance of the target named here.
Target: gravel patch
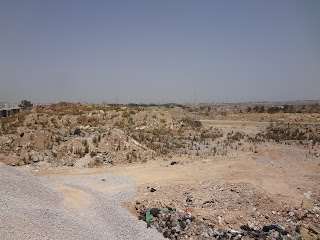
(33, 208)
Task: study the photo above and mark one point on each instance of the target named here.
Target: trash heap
(176, 224)
(241, 210)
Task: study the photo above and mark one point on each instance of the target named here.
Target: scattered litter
(209, 201)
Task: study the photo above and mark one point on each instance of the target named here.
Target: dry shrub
(82, 119)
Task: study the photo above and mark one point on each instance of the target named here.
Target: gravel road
(77, 207)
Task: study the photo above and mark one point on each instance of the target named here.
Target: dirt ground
(280, 171)
(273, 177)
(276, 168)
(275, 184)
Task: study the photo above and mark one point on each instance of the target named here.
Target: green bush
(192, 123)
(25, 104)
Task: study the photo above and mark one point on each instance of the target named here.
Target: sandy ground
(247, 186)
(275, 175)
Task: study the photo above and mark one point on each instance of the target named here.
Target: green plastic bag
(149, 216)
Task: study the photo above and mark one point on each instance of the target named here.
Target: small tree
(261, 110)
(25, 104)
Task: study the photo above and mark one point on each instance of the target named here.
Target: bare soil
(244, 187)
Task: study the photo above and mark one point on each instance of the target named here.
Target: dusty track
(275, 175)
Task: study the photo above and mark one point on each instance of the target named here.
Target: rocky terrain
(212, 180)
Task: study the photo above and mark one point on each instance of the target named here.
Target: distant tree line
(284, 109)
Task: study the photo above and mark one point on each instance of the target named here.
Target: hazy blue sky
(159, 51)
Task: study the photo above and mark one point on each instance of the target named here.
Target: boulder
(77, 131)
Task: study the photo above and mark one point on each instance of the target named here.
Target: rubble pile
(216, 209)
(176, 224)
(232, 204)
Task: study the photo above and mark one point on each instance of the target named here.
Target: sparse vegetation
(192, 123)
(158, 130)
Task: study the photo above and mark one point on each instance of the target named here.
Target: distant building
(6, 111)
